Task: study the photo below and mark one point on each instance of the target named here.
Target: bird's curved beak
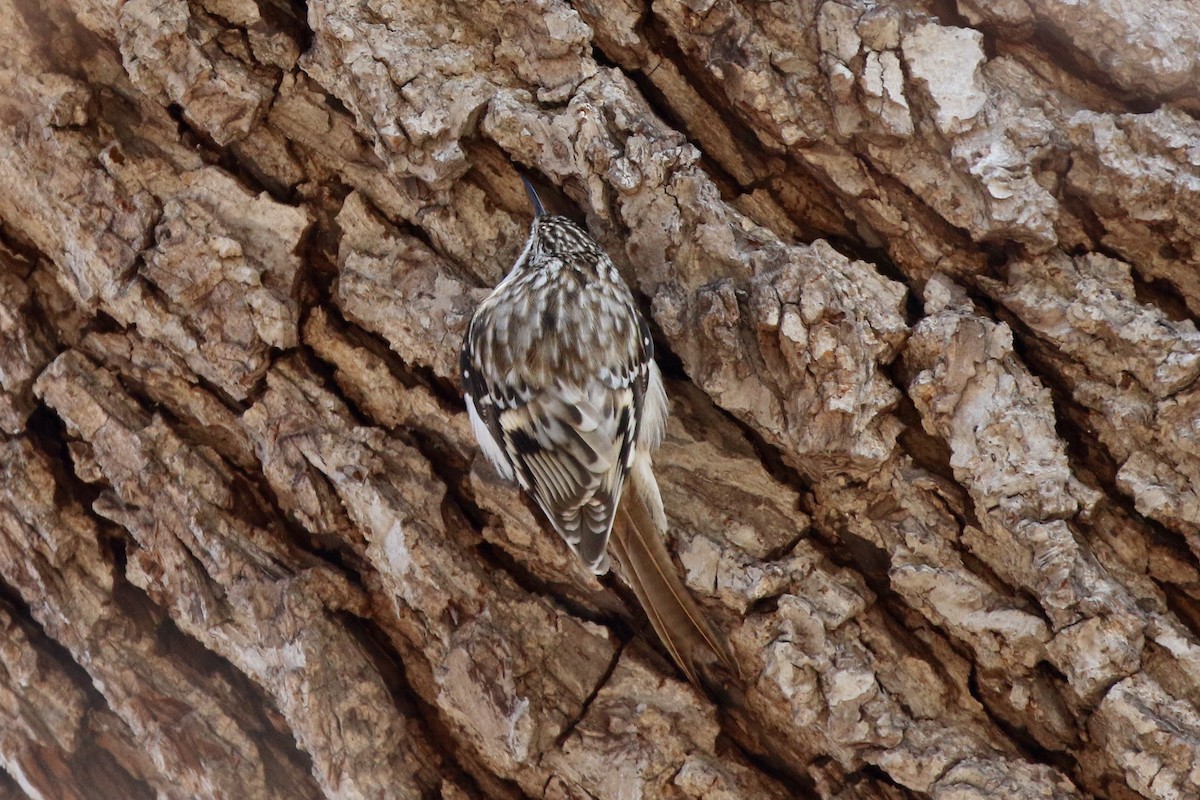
(538, 209)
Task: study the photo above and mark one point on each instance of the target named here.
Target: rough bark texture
(923, 278)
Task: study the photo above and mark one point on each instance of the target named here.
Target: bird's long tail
(638, 544)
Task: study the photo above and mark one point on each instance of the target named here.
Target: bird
(565, 398)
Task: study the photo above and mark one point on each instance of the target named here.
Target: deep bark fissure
(1022, 739)
(382, 652)
(1010, 609)
(1091, 458)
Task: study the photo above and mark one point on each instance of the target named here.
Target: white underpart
(653, 426)
(641, 477)
(487, 442)
(654, 412)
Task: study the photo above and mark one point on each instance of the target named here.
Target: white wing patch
(487, 442)
(653, 423)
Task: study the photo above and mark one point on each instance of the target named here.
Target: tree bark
(923, 279)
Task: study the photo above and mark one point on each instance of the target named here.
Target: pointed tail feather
(637, 542)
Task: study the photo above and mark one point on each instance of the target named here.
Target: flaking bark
(923, 280)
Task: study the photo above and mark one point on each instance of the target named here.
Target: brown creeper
(563, 393)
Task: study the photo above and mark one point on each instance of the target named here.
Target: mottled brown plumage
(564, 396)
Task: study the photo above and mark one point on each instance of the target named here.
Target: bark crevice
(923, 282)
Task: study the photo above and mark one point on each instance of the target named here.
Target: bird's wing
(483, 413)
(568, 446)
(567, 430)
(571, 448)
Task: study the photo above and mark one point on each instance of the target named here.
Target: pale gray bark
(923, 279)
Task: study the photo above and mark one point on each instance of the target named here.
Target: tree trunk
(922, 278)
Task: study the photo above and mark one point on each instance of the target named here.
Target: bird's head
(552, 235)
